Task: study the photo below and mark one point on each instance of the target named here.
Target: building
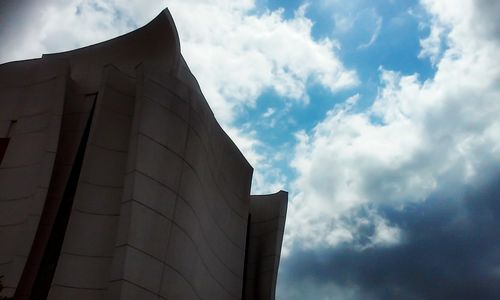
(117, 182)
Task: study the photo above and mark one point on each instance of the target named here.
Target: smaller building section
(264, 239)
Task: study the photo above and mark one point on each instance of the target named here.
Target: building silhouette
(117, 182)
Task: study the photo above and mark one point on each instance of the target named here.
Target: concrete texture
(117, 182)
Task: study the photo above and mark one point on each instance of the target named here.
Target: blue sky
(379, 117)
(395, 46)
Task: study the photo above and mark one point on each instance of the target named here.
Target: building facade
(117, 182)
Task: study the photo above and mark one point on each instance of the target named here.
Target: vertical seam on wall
(178, 186)
(245, 262)
(48, 265)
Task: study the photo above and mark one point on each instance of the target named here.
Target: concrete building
(117, 182)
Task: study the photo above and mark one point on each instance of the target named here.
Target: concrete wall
(86, 254)
(75, 118)
(31, 106)
(140, 193)
(183, 236)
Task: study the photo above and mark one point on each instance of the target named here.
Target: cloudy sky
(381, 119)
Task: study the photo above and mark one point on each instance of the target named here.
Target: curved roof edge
(152, 28)
(27, 72)
(281, 193)
(275, 204)
(164, 18)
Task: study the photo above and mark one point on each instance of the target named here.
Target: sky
(380, 118)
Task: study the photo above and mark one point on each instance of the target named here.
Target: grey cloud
(30, 28)
(20, 22)
(16, 18)
(450, 250)
(13, 12)
(487, 12)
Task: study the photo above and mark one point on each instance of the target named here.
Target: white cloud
(236, 55)
(269, 112)
(432, 45)
(343, 23)
(416, 139)
(377, 24)
(356, 20)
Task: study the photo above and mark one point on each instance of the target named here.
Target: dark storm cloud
(14, 14)
(20, 23)
(12, 10)
(17, 19)
(487, 11)
(451, 250)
